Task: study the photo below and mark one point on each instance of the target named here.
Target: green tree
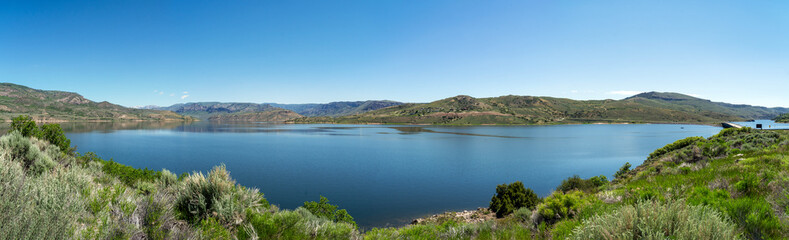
(323, 209)
(54, 134)
(623, 171)
(511, 197)
(25, 125)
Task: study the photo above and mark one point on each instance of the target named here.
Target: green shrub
(623, 171)
(217, 195)
(561, 205)
(755, 217)
(21, 149)
(510, 197)
(577, 183)
(748, 186)
(145, 188)
(702, 195)
(323, 209)
(126, 174)
(24, 125)
(39, 206)
(210, 228)
(564, 229)
(522, 214)
(51, 133)
(168, 178)
(55, 136)
(129, 175)
(674, 146)
(296, 224)
(653, 220)
(454, 230)
(158, 220)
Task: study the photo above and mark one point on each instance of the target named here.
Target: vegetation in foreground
(729, 186)
(51, 192)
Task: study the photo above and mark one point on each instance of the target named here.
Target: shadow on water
(417, 130)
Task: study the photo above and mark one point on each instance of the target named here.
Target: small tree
(25, 125)
(323, 209)
(54, 134)
(621, 174)
(511, 197)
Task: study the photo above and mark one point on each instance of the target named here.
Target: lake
(384, 175)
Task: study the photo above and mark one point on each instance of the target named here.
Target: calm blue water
(766, 124)
(384, 175)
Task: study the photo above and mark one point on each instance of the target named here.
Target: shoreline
(496, 124)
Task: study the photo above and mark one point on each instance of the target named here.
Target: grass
(655, 220)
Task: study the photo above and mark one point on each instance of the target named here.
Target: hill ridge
(59, 106)
(649, 107)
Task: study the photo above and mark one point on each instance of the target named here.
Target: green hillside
(272, 112)
(206, 110)
(705, 107)
(233, 112)
(642, 108)
(66, 106)
(271, 115)
(783, 118)
(336, 109)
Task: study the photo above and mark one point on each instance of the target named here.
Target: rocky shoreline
(467, 216)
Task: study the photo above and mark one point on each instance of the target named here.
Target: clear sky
(164, 52)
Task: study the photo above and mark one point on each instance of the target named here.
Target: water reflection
(766, 124)
(107, 127)
(416, 130)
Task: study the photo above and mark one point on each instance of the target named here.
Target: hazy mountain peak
(668, 96)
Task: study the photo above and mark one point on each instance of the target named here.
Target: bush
(296, 224)
(577, 183)
(510, 197)
(129, 175)
(522, 214)
(39, 206)
(24, 125)
(560, 206)
(454, 230)
(51, 133)
(54, 135)
(674, 146)
(211, 229)
(200, 197)
(755, 217)
(653, 220)
(20, 149)
(167, 178)
(748, 186)
(623, 171)
(325, 210)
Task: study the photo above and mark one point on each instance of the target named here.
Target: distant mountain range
(651, 107)
(272, 112)
(58, 106)
(336, 109)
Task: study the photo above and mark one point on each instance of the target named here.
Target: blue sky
(165, 52)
